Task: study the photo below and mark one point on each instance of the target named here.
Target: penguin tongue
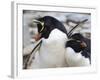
(37, 36)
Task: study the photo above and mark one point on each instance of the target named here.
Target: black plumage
(50, 23)
(75, 44)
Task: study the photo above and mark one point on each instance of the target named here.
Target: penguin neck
(56, 36)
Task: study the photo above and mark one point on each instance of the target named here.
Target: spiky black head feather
(50, 23)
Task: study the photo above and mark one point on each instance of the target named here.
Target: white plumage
(52, 51)
(75, 59)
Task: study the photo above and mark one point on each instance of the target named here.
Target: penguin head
(79, 37)
(76, 45)
(76, 42)
(46, 24)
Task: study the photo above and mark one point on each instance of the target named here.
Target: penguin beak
(83, 45)
(37, 36)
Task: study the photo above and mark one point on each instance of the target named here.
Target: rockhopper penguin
(52, 50)
(78, 51)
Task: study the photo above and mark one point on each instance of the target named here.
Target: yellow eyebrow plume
(42, 23)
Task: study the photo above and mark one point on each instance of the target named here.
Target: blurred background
(69, 19)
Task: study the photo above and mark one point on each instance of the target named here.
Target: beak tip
(83, 44)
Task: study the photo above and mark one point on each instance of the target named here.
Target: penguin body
(52, 51)
(76, 54)
(87, 51)
(74, 59)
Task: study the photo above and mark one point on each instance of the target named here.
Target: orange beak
(83, 45)
(37, 36)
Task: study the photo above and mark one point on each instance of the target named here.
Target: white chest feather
(52, 50)
(75, 59)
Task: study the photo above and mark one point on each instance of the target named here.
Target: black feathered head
(46, 24)
(77, 45)
(77, 42)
